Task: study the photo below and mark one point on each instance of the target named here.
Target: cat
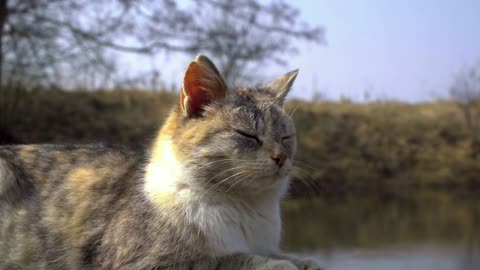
(204, 195)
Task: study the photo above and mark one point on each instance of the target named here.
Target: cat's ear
(281, 85)
(202, 84)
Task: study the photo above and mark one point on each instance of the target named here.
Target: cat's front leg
(299, 262)
(276, 262)
(242, 262)
(255, 262)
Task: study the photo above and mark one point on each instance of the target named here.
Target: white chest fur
(238, 227)
(229, 225)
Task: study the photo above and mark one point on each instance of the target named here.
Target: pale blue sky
(406, 50)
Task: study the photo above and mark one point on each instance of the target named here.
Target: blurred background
(387, 105)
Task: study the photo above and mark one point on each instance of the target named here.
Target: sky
(391, 49)
(405, 50)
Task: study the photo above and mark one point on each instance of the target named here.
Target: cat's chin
(273, 180)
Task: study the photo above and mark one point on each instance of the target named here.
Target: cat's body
(204, 195)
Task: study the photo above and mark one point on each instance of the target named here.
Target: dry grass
(342, 145)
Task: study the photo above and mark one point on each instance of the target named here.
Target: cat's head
(234, 140)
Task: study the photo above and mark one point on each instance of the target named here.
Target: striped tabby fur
(204, 195)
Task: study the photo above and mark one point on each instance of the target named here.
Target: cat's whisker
(212, 188)
(208, 164)
(225, 171)
(239, 181)
(234, 176)
(301, 163)
(221, 161)
(251, 179)
(292, 113)
(301, 171)
(301, 175)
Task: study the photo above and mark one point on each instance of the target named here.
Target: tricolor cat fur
(204, 195)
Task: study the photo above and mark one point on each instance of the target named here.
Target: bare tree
(245, 34)
(465, 91)
(54, 41)
(51, 40)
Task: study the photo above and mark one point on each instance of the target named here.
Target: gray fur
(85, 207)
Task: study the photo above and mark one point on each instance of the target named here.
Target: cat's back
(44, 158)
(28, 168)
(64, 191)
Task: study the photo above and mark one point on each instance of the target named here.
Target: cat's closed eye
(286, 139)
(249, 136)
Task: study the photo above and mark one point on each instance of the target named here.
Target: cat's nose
(279, 159)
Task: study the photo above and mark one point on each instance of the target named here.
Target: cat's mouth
(274, 177)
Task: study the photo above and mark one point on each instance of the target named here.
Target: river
(411, 229)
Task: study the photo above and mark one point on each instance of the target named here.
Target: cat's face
(236, 140)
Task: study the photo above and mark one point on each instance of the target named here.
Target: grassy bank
(382, 220)
(343, 146)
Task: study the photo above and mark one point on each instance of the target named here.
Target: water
(399, 258)
(412, 229)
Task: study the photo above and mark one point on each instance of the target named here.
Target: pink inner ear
(201, 87)
(198, 97)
